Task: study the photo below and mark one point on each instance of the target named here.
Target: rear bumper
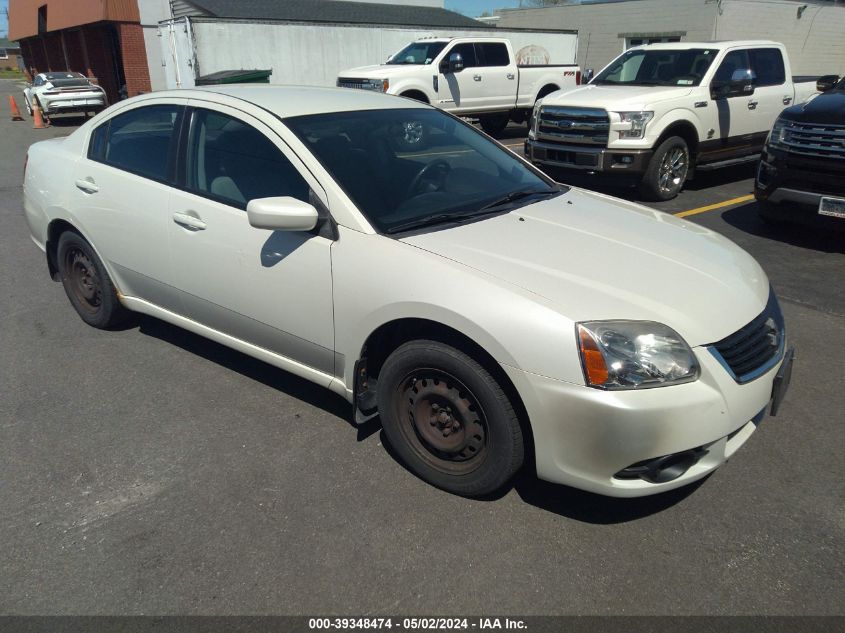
(590, 159)
(73, 103)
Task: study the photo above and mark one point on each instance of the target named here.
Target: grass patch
(11, 74)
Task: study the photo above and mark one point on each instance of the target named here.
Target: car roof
(290, 101)
(711, 45)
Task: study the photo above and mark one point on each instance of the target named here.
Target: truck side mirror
(741, 84)
(827, 82)
(456, 63)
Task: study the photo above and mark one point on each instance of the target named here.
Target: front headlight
(535, 120)
(778, 134)
(637, 121)
(381, 85)
(634, 355)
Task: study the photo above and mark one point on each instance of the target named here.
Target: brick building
(10, 55)
(102, 39)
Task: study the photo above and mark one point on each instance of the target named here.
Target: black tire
(87, 284)
(494, 124)
(667, 171)
(448, 419)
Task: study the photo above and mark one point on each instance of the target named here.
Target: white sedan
(488, 314)
(63, 92)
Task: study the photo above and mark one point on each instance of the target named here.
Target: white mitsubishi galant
(484, 311)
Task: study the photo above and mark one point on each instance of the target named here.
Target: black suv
(802, 168)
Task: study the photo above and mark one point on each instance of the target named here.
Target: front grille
(573, 126)
(360, 84)
(749, 351)
(810, 139)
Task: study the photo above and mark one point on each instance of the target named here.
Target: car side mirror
(454, 65)
(281, 214)
(827, 82)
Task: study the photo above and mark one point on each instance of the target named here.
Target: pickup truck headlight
(381, 85)
(535, 120)
(778, 134)
(634, 355)
(638, 122)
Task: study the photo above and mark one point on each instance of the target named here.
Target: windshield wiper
(513, 196)
(432, 220)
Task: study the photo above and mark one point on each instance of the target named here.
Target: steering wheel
(430, 178)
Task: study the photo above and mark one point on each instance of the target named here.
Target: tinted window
(768, 66)
(138, 141)
(658, 67)
(735, 67)
(401, 165)
(467, 51)
(493, 54)
(233, 162)
(418, 53)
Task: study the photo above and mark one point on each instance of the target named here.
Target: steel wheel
(442, 421)
(83, 280)
(673, 170)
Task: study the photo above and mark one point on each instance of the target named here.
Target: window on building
(639, 41)
(492, 54)
(42, 19)
(234, 163)
(137, 141)
(4, 53)
(768, 66)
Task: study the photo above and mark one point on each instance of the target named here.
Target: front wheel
(448, 419)
(494, 124)
(667, 171)
(87, 284)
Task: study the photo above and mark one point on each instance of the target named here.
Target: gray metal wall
(602, 28)
(815, 41)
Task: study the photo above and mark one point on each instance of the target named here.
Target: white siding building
(812, 30)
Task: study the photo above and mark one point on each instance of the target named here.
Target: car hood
(595, 257)
(828, 107)
(376, 71)
(616, 98)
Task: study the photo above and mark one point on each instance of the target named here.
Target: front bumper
(632, 162)
(587, 438)
(798, 183)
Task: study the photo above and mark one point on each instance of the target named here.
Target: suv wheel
(448, 419)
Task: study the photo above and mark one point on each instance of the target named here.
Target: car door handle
(87, 185)
(511, 75)
(476, 77)
(787, 100)
(190, 222)
(752, 105)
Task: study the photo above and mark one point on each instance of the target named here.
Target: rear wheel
(667, 171)
(448, 419)
(494, 124)
(87, 284)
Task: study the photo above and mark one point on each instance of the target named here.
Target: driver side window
(735, 67)
(232, 162)
(467, 51)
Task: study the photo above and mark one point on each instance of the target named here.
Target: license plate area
(832, 207)
(782, 380)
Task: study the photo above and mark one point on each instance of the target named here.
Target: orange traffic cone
(37, 119)
(16, 114)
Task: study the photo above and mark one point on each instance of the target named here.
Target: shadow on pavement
(819, 233)
(252, 368)
(721, 177)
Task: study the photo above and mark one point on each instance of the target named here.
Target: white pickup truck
(658, 112)
(468, 76)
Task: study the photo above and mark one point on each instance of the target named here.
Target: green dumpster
(236, 77)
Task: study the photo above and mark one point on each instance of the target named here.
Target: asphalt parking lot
(150, 471)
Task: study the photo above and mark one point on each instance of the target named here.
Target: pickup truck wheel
(494, 124)
(448, 419)
(667, 171)
(87, 284)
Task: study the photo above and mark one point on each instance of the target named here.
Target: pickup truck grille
(809, 139)
(360, 84)
(753, 346)
(573, 126)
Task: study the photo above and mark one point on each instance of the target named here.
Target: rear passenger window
(492, 54)
(137, 141)
(768, 66)
(234, 163)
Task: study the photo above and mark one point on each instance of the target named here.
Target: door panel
(270, 288)
(121, 198)
(499, 76)
(771, 90)
(735, 122)
(461, 91)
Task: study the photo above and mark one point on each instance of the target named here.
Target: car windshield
(410, 168)
(418, 53)
(658, 67)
